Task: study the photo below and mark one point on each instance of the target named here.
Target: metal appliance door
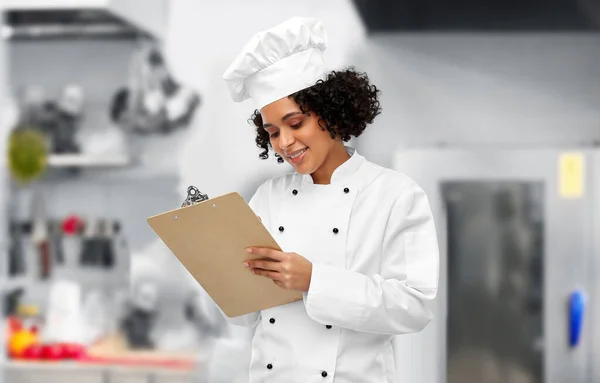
(594, 317)
(515, 232)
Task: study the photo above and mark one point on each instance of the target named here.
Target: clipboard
(209, 236)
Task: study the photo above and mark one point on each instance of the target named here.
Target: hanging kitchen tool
(39, 233)
(56, 239)
(108, 240)
(91, 249)
(72, 228)
(16, 255)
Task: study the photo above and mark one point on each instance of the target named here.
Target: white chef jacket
(371, 238)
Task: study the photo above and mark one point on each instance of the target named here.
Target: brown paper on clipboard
(210, 239)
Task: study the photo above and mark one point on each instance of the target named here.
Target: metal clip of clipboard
(194, 196)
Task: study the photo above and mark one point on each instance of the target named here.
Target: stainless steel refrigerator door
(515, 232)
(594, 192)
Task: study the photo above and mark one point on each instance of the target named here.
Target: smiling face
(298, 138)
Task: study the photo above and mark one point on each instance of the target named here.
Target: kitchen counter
(76, 372)
(108, 362)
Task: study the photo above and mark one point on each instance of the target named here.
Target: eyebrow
(265, 126)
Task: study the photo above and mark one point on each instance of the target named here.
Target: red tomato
(73, 351)
(33, 352)
(52, 352)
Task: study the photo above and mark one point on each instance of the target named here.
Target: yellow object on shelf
(20, 340)
(28, 310)
(29, 315)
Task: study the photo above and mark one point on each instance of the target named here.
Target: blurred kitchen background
(110, 109)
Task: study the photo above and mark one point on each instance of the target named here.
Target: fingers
(276, 266)
(262, 264)
(267, 252)
(275, 276)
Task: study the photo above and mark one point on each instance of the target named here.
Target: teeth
(299, 154)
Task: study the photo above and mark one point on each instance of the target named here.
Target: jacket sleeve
(259, 203)
(397, 300)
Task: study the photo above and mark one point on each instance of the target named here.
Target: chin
(303, 169)
(305, 166)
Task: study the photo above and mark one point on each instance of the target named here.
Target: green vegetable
(27, 154)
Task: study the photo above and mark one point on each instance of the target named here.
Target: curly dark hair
(345, 103)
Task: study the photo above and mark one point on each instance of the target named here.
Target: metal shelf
(151, 19)
(88, 161)
(12, 283)
(11, 5)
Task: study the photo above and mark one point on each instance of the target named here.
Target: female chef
(359, 239)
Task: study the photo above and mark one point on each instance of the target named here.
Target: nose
(286, 139)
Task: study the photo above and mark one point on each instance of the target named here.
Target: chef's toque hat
(278, 62)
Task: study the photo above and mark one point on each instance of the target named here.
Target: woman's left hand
(288, 270)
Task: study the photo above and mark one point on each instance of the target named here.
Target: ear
(322, 124)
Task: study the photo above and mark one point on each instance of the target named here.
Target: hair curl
(345, 103)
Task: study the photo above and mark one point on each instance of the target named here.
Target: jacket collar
(343, 172)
